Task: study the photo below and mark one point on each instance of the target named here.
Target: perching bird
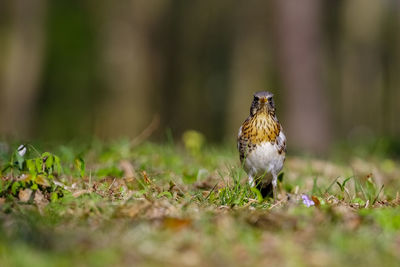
(262, 144)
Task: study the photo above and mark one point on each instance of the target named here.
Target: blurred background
(82, 68)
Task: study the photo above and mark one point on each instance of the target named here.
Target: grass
(152, 204)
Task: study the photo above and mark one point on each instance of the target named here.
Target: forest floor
(120, 204)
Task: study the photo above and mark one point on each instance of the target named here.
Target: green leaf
(346, 180)
(340, 186)
(53, 196)
(30, 163)
(258, 194)
(80, 165)
(15, 187)
(4, 185)
(57, 164)
(20, 161)
(38, 163)
(359, 201)
(49, 161)
(34, 187)
(5, 168)
(45, 155)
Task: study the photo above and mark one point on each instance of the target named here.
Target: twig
(276, 204)
(111, 184)
(147, 131)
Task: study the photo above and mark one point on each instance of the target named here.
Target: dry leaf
(316, 201)
(39, 199)
(146, 177)
(25, 178)
(25, 195)
(176, 224)
(41, 180)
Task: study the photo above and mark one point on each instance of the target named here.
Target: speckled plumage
(262, 143)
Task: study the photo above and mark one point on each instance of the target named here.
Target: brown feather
(256, 129)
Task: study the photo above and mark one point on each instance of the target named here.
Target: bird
(262, 145)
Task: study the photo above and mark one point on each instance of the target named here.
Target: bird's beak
(263, 100)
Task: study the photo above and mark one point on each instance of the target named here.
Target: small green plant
(46, 164)
(343, 188)
(80, 165)
(22, 161)
(29, 169)
(367, 189)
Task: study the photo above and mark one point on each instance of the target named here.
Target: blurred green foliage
(105, 70)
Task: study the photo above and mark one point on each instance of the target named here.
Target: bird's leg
(251, 181)
(274, 186)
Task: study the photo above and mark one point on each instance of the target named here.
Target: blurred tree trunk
(203, 61)
(393, 106)
(300, 55)
(389, 17)
(129, 66)
(251, 61)
(362, 74)
(22, 66)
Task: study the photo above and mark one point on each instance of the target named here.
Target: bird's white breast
(264, 159)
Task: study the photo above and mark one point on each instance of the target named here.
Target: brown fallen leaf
(25, 195)
(39, 199)
(176, 224)
(316, 201)
(146, 177)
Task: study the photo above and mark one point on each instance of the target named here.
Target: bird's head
(263, 103)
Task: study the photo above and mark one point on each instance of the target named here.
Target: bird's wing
(238, 137)
(280, 142)
(243, 140)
